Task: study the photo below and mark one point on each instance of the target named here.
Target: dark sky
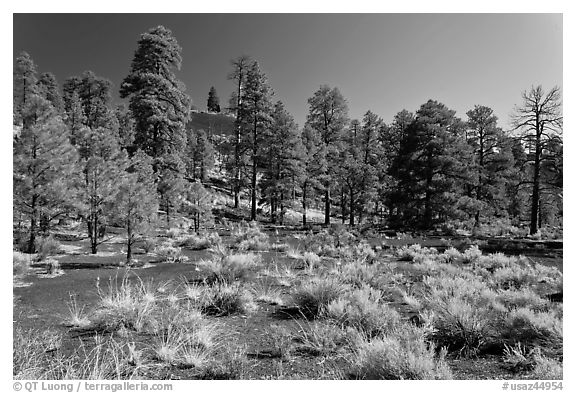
(381, 62)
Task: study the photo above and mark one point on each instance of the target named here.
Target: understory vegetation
(407, 313)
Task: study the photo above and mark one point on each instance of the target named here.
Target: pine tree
(49, 89)
(126, 125)
(328, 115)
(240, 67)
(199, 155)
(136, 203)
(315, 164)
(102, 164)
(283, 161)
(75, 118)
(95, 96)
(213, 101)
(24, 86)
(493, 161)
(431, 167)
(255, 110)
(158, 101)
(539, 119)
(43, 166)
(171, 185)
(198, 204)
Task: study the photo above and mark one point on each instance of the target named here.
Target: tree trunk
(254, 156)
(304, 204)
(343, 205)
(253, 210)
(32, 239)
(351, 207)
(93, 229)
(167, 212)
(327, 206)
(535, 184)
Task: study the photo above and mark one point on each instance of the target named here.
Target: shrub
(471, 255)
(531, 362)
(363, 310)
(463, 327)
(195, 242)
(313, 296)
(322, 243)
(174, 232)
(358, 273)
(148, 244)
(280, 247)
(249, 237)
(524, 298)
(451, 255)
(522, 275)
(495, 261)
(415, 253)
(319, 338)
(47, 246)
(404, 354)
(20, 263)
(32, 353)
(53, 267)
(170, 254)
(230, 268)
(542, 329)
(293, 253)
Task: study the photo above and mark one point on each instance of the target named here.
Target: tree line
(75, 155)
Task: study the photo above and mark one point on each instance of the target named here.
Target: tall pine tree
(328, 115)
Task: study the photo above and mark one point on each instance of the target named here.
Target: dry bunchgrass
(37, 355)
(364, 310)
(226, 299)
(402, 354)
(78, 317)
(170, 254)
(312, 297)
(267, 293)
(230, 268)
(534, 329)
(20, 263)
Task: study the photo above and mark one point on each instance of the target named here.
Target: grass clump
(197, 242)
(46, 247)
(364, 310)
(534, 329)
(230, 268)
(523, 275)
(358, 273)
(20, 263)
(531, 363)
(402, 354)
(267, 293)
(313, 297)
(415, 253)
(170, 254)
(318, 338)
(78, 317)
(226, 299)
(37, 355)
(124, 306)
(249, 238)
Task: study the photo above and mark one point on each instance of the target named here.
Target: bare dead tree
(539, 119)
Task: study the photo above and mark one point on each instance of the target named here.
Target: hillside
(212, 123)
